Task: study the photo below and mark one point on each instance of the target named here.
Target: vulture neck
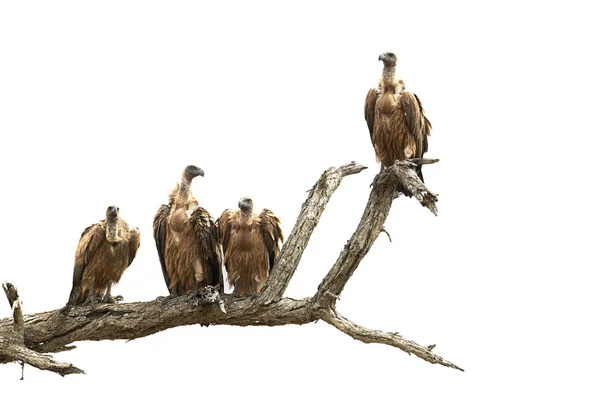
(112, 230)
(183, 196)
(388, 79)
(245, 214)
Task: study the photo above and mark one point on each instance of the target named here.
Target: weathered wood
(40, 361)
(12, 342)
(394, 339)
(17, 310)
(309, 217)
(371, 225)
(55, 331)
(406, 175)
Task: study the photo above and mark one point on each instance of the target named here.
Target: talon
(165, 299)
(191, 295)
(108, 299)
(66, 309)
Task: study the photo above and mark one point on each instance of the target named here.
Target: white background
(107, 102)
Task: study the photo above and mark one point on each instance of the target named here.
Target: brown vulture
(187, 240)
(104, 252)
(250, 244)
(396, 121)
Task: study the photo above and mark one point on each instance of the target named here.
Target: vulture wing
(90, 241)
(426, 127)
(272, 234)
(208, 239)
(160, 237)
(419, 126)
(224, 227)
(134, 244)
(370, 101)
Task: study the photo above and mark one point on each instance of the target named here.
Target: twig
(387, 233)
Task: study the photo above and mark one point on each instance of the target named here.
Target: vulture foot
(65, 310)
(91, 301)
(165, 299)
(112, 300)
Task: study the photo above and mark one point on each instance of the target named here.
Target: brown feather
(160, 236)
(101, 260)
(187, 242)
(396, 121)
(370, 101)
(251, 244)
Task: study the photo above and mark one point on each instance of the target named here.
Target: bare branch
(421, 161)
(24, 338)
(52, 331)
(17, 308)
(308, 219)
(12, 344)
(407, 177)
(369, 228)
(42, 361)
(366, 335)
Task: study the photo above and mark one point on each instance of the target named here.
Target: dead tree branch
(394, 339)
(55, 331)
(12, 341)
(371, 225)
(309, 217)
(406, 175)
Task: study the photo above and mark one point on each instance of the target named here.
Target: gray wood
(55, 331)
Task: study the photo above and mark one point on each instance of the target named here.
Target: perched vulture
(250, 244)
(187, 240)
(397, 124)
(104, 252)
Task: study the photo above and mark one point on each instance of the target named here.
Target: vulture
(396, 121)
(104, 252)
(250, 245)
(187, 240)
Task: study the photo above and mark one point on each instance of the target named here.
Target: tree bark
(12, 341)
(24, 339)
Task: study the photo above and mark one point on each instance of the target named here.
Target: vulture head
(246, 204)
(112, 224)
(112, 213)
(389, 59)
(191, 171)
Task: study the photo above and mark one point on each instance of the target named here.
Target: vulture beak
(381, 57)
(245, 203)
(201, 172)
